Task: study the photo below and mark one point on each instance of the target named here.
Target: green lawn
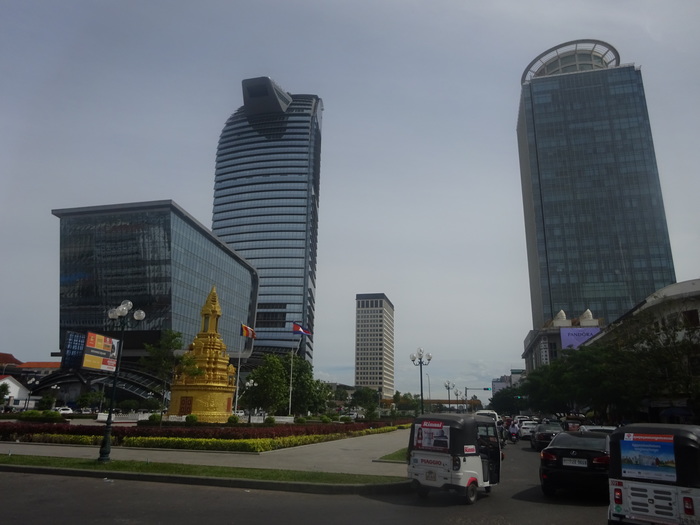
(199, 470)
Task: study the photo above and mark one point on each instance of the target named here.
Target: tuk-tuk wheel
(470, 494)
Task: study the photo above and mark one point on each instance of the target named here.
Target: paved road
(57, 500)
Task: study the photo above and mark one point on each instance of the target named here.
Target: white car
(64, 410)
(597, 428)
(526, 428)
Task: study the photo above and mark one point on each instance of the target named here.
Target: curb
(285, 486)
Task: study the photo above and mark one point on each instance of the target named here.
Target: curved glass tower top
(266, 197)
(569, 57)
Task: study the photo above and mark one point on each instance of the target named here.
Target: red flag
(247, 331)
(298, 329)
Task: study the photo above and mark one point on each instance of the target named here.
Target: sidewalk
(358, 455)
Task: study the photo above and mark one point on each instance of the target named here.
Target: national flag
(298, 329)
(247, 331)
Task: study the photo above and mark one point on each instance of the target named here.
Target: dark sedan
(542, 434)
(575, 460)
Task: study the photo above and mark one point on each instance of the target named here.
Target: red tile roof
(9, 358)
(40, 364)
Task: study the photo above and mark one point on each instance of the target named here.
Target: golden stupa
(209, 395)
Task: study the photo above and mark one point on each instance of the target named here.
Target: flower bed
(176, 436)
(41, 433)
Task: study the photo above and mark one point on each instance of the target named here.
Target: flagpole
(291, 368)
(238, 375)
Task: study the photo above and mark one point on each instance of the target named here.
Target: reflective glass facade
(595, 223)
(160, 258)
(266, 199)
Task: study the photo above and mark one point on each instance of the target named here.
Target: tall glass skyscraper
(595, 223)
(266, 197)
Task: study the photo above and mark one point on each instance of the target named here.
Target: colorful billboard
(100, 352)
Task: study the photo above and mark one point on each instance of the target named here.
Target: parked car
(597, 428)
(526, 428)
(64, 410)
(543, 434)
(575, 460)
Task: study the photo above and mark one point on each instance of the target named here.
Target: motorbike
(513, 437)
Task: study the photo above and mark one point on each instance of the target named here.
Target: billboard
(575, 336)
(100, 352)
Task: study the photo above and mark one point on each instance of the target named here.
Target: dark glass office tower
(594, 216)
(159, 257)
(266, 198)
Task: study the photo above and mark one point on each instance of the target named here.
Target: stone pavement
(357, 455)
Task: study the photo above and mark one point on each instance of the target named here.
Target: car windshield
(580, 441)
(549, 427)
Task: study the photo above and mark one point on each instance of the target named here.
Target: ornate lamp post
(248, 385)
(120, 315)
(418, 360)
(449, 385)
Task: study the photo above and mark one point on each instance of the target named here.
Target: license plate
(430, 476)
(574, 462)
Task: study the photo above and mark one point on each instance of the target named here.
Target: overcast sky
(124, 101)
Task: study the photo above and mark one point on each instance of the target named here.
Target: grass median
(198, 470)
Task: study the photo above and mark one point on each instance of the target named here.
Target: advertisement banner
(432, 435)
(575, 336)
(100, 352)
(648, 456)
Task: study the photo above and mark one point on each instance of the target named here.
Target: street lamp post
(418, 360)
(120, 315)
(449, 385)
(430, 398)
(456, 391)
(30, 390)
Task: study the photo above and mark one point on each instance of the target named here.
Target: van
(490, 413)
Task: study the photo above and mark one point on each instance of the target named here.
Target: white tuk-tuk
(454, 452)
(654, 474)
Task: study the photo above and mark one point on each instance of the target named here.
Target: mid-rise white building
(374, 343)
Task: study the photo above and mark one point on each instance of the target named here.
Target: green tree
(305, 392)
(163, 362)
(91, 399)
(272, 392)
(367, 399)
(47, 401)
(4, 392)
(321, 397)
(505, 401)
(408, 402)
(340, 394)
